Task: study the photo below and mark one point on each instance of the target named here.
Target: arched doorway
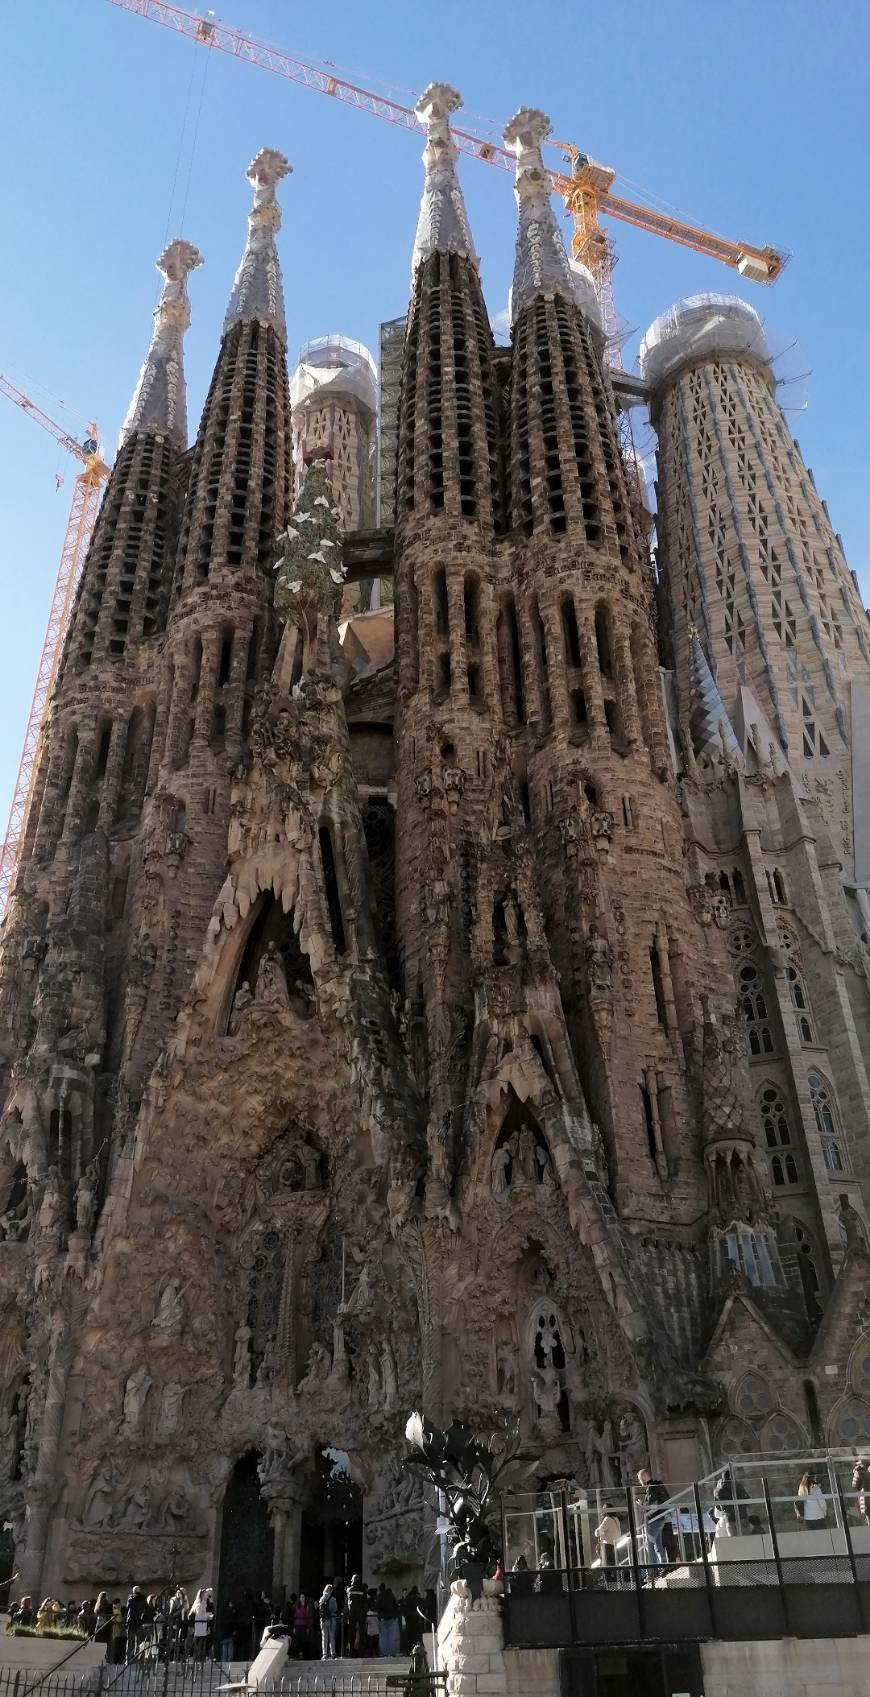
(331, 1524)
(246, 1554)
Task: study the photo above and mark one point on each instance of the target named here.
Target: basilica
(438, 968)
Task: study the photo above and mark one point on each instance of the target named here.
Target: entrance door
(633, 1672)
(246, 1556)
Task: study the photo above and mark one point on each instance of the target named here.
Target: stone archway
(246, 1553)
(332, 1524)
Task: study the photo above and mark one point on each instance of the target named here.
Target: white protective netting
(700, 327)
(336, 363)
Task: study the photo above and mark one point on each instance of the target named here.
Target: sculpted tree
(463, 1470)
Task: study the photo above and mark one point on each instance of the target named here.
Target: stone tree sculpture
(464, 1471)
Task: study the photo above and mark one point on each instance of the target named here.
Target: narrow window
(649, 1123)
(603, 642)
(103, 751)
(442, 613)
(658, 986)
(570, 632)
(330, 881)
(226, 658)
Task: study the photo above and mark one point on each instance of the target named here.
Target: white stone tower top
(258, 295)
(160, 398)
(442, 226)
(541, 266)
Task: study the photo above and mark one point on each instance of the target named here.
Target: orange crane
(82, 517)
(587, 191)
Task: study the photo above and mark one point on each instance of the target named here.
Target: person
(810, 1506)
(373, 1625)
(87, 1621)
(607, 1535)
(103, 1613)
(657, 1526)
(202, 1620)
(133, 1616)
(861, 1484)
(388, 1623)
(548, 1579)
(47, 1615)
(327, 1609)
(409, 1611)
(339, 1591)
(727, 1496)
(357, 1600)
(118, 1635)
(22, 1614)
(176, 1634)
(303, 1623)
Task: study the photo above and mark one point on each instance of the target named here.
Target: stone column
(471, 1647)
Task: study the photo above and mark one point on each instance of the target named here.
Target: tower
(769, 644)
(334, 403)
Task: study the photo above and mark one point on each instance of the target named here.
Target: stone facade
(384, 1025)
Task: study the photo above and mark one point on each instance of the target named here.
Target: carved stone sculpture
(135, 1397)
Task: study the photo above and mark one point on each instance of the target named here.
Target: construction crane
(82, 517)
(587, 191)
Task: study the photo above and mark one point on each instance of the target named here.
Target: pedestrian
(303, 1625)
(339, 1591)
(409, 1607)
(47, 1615)
(21, 1614)
(201, 1619)
(373, 1625)
(861, 1484)
(607, 1535)
(176, 1635)
(103, 1614)
(118, 1636)
(133, 1615)
(809, 1505)
(727, 1496)
(327, 1609)
(87, 1621)
(357, 1602)
(228, 1631)
(660, 1532)
(548, 1578)
(388, 1621)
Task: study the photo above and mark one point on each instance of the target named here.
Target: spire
(712, 732)
(541, 266)
(160, 399)
(442, 226)
(257, 292)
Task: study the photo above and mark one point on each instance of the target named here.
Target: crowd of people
(342, 1620)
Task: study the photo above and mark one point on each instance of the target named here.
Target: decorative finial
(442, 226)
(541, 266)
(257, 294)
(160, 399)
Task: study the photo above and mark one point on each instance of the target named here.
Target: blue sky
(749, 117)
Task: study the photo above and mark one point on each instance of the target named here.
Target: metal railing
(699, 1563)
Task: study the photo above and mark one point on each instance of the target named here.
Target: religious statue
(506, 1371)
(242, 1355)
(242, 1000)
(599, 1449)
(310, 1166)
(542, 1161)
(274, 1459)
(599, 961)
(852, 1228)
(171, 1404)
(51, 1209)
(524, 1167)
(498, 1173)
(391, 1386)
(169, 1318)
(374, 1369)
(317, 1368)
(86, 1198)
(547, 1391)
(135, 1509)
(632, 1443)
(271, 985)
(135, 1396)
(100, 1499)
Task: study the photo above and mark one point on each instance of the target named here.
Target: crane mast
(87, 493)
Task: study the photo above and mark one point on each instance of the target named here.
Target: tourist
(87, 1620)
(303, 1626)
(179, 1612)
(201, 1618)
(388, 1622)
(409, 1614)
(228, 1631)
(21, 1613)
(357, 1601)
(861, 1484)
(548, 1579)
(327, 1609)
(118, 1635)
(48, 1614)
(810, 1506)
(653, 1493)
(727, 1496)
(103, 1614)
(133, 1617)
(373, 1625)
(339, 1591)
(607, 1535)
